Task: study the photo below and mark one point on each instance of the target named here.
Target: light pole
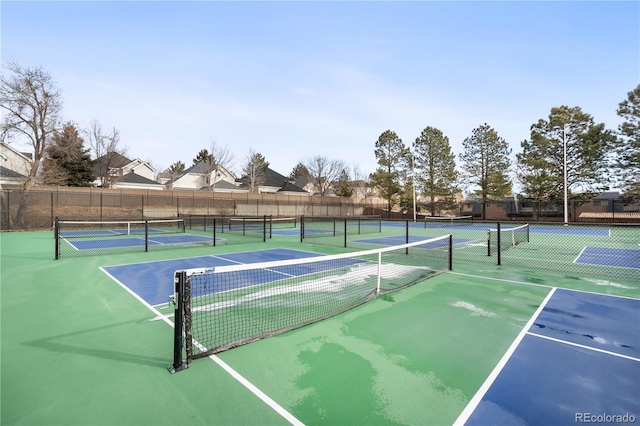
(413, 184)
(566, 190)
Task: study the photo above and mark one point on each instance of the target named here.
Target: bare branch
(32, 105)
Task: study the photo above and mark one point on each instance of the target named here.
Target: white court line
(591, 348)
(70, 243)
(579, 254)
(270, 402)
(473, 403)
(500, 279)
(242, 380)
(480, 277)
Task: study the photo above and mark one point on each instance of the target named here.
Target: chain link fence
(37, 209)
(588, 250)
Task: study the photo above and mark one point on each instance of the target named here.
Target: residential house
(273, 182)
(201, 177)
(120, 172)
(14, 165)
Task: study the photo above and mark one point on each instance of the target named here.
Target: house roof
(201, 168)
(290, 187)
(112, 160)
(7, 173)
(27, 155)
(226, 186)
(275, 179)
(608, 195)
(137, 179)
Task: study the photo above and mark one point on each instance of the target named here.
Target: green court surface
(79, 349)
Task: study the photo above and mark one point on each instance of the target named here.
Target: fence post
(52, 218)
(56, 235)
(215, 225)
(499, 246)
(450, 252)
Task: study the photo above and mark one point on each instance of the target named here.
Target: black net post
(301, 228)
(179, 362)
(406, 235)
(146, 236)
(56, 235)
(215, 225)
(345, 232)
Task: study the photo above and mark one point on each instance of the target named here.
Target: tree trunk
(22, 210)
(484, 206)
(5, 221)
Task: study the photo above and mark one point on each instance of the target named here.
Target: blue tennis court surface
(153, 281)
(581, 357)
(113, 242)
(106, 232)
(624, 258)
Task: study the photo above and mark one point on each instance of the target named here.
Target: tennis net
(232, 229)
(337, 230)
(114, 228)
(441, 221)
(96, 237)
(223, 307)
(501, 239)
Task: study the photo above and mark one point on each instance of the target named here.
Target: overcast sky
(292, 80)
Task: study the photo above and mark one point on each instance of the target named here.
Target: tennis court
(88, 340)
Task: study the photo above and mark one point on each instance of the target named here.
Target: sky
(297, 79)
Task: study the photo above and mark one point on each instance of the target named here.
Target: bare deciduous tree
(324, 172)
(361, 184)
(32, 107)
(254, 170)
(106, 148)
(215, 158)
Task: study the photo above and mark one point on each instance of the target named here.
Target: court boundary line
(507, 256)
(542, 285)
(484, 388)
(69, 243)
(591, 348)
(233, 373)
(579, 254)
(204, 255)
